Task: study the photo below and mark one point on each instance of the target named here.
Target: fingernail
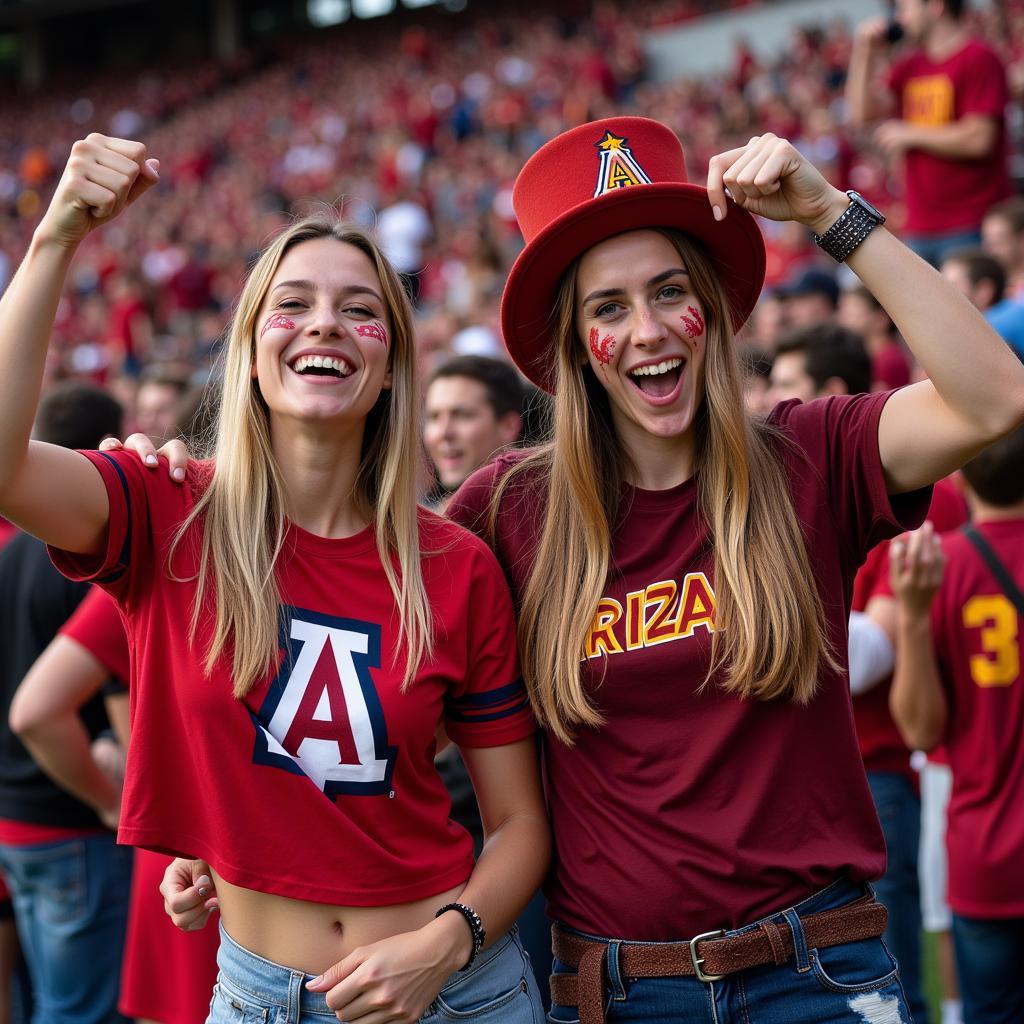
(203, 891)
(716, 212)
(150, 460)
(178, 474)
(314, 982)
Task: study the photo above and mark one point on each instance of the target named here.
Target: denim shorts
(855, 983)
(498, 988)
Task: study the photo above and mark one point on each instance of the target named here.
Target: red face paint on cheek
(373, 330)
(278, 320)
(693, 323)
(604, 348)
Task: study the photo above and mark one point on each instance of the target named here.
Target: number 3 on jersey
(322, 716)
(999, 662)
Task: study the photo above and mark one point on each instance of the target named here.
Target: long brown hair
(242, 510)
(770, 636)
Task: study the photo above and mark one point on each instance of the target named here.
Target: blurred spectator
(983, 280)
(952, 94)
(861, 312)
(158, 401)
(813, 362)
(812, 298)
(474, 408)
(1002, 237)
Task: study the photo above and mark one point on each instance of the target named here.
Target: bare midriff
(311, 937)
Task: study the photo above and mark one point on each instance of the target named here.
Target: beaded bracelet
(476, 926)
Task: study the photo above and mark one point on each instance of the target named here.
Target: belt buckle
(697, 961)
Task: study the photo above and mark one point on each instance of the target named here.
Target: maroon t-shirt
(976, 631)
(944, 194)
(689, 809)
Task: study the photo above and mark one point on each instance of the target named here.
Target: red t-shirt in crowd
(690, 809)
(943, 194)
(320, 783)
(96, 624)
(890, 368)
(881, 745)
(976, 631)
(178, 993)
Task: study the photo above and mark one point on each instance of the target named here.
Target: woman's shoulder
(461, 551)
(821, 421)
(150, 489)
(471, 503)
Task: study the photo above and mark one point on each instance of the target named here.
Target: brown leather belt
(704, 957)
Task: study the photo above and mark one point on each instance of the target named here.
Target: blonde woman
(683, 576)
(298, 633)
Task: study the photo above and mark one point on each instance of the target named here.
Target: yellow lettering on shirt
(634, 620)
(928, 101)
(696, 606)
(659, 599)
(602, 633)
(995, 616)
(661, 613)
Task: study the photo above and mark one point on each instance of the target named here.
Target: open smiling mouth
(322, 366)
(658, 380)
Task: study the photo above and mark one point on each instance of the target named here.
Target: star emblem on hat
(611, 141)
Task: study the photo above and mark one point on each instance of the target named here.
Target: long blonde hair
(770, 636)
(242, 511)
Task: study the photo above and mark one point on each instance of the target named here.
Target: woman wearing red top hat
(683, 576)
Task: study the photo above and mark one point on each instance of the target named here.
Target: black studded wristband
(856, 222)
(476, 926)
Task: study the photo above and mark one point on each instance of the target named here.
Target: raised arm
(917, 700)
(49, 491)
(44, 714)
(862, 102)
(975, 391)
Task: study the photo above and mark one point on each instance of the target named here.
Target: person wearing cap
(811, 299)
(682, 573)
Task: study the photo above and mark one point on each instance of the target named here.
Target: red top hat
(596, 181)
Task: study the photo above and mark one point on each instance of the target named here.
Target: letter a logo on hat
(618, 165)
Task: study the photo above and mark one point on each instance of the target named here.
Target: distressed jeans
(856, 983)
(498, 988)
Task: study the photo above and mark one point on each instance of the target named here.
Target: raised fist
(102, 177)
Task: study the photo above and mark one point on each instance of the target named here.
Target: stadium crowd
(427, 160)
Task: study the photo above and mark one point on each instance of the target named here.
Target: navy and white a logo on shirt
(322, 717)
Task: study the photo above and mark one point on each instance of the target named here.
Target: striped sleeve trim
(123, 557)
(489, 705)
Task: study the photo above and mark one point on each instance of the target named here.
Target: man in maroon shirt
(958, 680)
(951, 92)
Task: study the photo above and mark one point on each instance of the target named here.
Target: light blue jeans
(498, 988)
(71, 907)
